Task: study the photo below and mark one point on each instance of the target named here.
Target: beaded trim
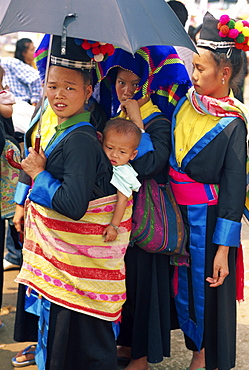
(72, 63)
(215, 45)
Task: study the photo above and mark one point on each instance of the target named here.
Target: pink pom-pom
(245, 23)
(222, 34)
(233, 33)
(224, 19)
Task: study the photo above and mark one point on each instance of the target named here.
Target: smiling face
(126, 84)
(67, 92)
(208, 78)
(119, 148)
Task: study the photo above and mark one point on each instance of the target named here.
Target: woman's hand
(110, 234)
(34, 163)
(132, 110)
(19, 218)
(220, 267)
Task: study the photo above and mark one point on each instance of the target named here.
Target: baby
(121, 137)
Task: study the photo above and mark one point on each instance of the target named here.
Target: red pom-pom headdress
(238, 31)
(97, 51)
(224, 34)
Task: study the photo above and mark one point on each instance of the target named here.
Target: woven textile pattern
(69, 263)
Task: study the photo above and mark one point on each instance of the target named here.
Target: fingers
(123, 108)
(109, 238)
(218, 278)
(18, 227)
(41, 152)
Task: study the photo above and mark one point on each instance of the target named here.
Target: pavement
(180, 356)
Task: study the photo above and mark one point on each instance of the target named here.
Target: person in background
(20, 75)
(195, 33)
(24, 82)
(208, 178)
(2, 225)
(184, 53)
(8, 175)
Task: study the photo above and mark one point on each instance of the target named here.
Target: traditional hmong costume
(146, 317)
(80, 279)
(208, 178)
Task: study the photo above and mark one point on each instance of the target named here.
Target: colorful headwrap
(162, 74)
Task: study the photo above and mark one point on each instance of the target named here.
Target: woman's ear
(89, 90)
(226, 73)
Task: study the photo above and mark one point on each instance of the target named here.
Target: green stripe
(44, 54)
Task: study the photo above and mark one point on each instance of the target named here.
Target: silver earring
(86, 101)
(223, 81)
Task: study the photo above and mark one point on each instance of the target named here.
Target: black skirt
(79, 341)
(148, 313)
(26, 324)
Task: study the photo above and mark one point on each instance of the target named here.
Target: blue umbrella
(129, 24)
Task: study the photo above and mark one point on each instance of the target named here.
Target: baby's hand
(110, 234)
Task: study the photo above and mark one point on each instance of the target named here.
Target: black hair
(180, 10)
(124, 127)
(234, 61)
(21, 46)
(195, 33)
(87, 76)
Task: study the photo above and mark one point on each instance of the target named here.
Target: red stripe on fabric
(240, 275)
(74, 227)
(80, 272)
(72, 306)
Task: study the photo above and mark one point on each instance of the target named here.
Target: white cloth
(6, 97)
(22, 113)
(125, 179)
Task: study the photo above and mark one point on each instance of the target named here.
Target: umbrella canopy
(129, 24)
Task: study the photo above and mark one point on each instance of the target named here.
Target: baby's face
(119, 148)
